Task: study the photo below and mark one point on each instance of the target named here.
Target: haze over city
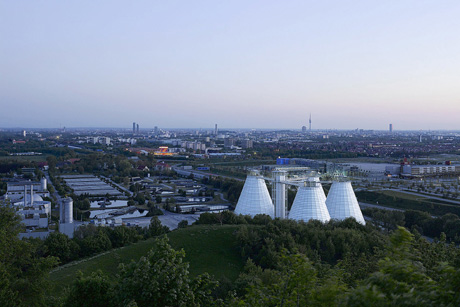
(242, 64)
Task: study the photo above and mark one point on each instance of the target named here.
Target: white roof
(254, 198)
(310, 203)
(342, 203)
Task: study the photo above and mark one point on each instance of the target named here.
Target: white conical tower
(310, 203)
(254, 198)
(342, 203)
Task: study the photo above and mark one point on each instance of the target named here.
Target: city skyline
(261, 64)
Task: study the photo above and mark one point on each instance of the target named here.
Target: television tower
(309, 123)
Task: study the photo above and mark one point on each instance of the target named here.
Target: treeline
(89, 240)
(407, 204)
(230, 187)
(447, 226)
(262, 240)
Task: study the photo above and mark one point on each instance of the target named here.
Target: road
(118, 186)
(366, 205)
(206, 174)
(55, 194)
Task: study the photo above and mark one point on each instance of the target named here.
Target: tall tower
(137, 126)
(309, 123)
(391, 128)
(215, 130)
(134, 127)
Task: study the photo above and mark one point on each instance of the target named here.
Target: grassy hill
(208, 248)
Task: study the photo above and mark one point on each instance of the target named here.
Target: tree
(94, 290)
(294, 283)
(59, 245)
(402, 279)
(22, 272)
(182, 224)
(156, 228)
(162, 279)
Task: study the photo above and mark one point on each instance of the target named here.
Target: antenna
(309, 122)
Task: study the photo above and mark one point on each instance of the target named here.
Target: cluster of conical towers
(310, 201)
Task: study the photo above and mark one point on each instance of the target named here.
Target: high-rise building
(304, 129)
(215, 130)
(309, 123)
(247, 144)
(134, 127)
(229, 142)
(137, 128)
(391, 128)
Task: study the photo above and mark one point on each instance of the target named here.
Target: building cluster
(26, 198)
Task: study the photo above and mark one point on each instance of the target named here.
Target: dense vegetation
(287, 263)
(447, 226)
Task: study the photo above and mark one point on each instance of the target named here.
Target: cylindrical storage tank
(342, 203)
(66, 211)
(43, 184)
(310, 203)
(254, 198)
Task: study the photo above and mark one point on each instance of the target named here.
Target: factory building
(310, 201)
(429, 170)
(15, 190)
(33, 210)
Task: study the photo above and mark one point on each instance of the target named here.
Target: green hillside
(208, 248)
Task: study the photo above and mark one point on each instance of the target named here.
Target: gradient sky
(240, 64)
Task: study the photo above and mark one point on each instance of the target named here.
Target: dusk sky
(240, 64)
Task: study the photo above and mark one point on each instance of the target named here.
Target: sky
(240, 64)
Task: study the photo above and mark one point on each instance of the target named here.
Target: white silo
(43, 184)
(342, 203)
(66, 211)
(66, 225)
(310, 203)
(254, 198)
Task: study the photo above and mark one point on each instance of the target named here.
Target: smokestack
(31, 195)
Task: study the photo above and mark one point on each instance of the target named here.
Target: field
(40, 158)
(208, 248)
(407, 201)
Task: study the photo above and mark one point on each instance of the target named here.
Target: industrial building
(15, 190)
(429, 170)
(310, 201)
(33, 210)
